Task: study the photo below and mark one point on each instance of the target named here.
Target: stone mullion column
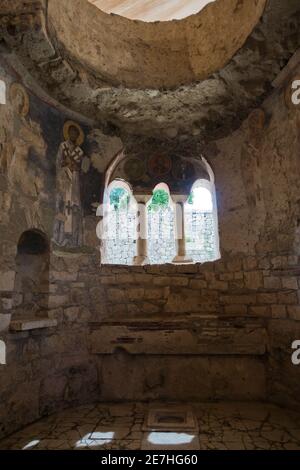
(141, 257)
(179, 219)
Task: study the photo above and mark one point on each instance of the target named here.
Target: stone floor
(122, 427)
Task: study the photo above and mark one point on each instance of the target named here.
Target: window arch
(2, 352)
(201, 223)
(2, 92)
(161, 237)
(119, 224)
(160, 228)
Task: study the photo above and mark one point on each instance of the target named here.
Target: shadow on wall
(32, 275)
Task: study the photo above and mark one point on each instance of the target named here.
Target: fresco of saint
(69, 164)
(25, 135)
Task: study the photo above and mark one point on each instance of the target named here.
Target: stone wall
(46, 367)
(255, 287)
(234, 320)
(58, 367)
(232, 306)
(120, 244)
(50, 368)
(200, 236)
(37, 377)
(26, 191)
(237, 308)
(256, 172)
(29, 141)
(161, 236)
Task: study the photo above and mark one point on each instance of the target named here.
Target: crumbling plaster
(153, 55)
(203, 110)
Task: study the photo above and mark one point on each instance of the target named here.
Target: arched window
(2, 92)
(201, 224)
(2, 353)
(32, 274)
(160, 228)
(161, 238)
(119, 224)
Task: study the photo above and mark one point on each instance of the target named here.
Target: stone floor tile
(110, 426)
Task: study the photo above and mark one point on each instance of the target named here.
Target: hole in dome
(152, 10)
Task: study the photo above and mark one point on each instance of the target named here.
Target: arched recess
(2, 92)
(31, 288)
(118, 232)
(201, 220)
(2, 353)
(215, 205)
(161, 228)
(138, 54)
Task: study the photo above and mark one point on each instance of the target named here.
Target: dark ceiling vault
(203, 110)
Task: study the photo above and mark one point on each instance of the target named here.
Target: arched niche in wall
(32, 275)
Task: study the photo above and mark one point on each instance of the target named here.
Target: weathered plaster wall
(50, 367)
(27, 179)
(27, 188)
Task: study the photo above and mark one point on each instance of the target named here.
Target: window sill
(34, 324)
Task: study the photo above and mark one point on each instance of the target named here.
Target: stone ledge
(208, 337)
(33, 324)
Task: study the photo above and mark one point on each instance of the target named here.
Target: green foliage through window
(191, 198)
(160, 200)
(119, 198)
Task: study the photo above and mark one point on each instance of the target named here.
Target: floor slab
(228, 426)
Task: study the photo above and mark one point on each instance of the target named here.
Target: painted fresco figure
(70, 162)
(24, 136)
